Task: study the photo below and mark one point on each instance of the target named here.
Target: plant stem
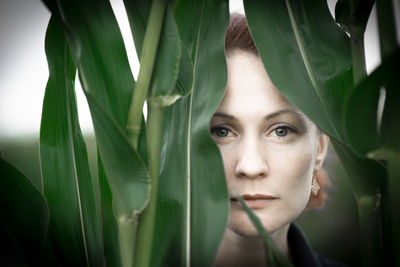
(370, 217)
(368, 181)
(369, 205)
(147, 59)
(386, 25)
(126, 237)
(148, 217)
(388, 44)
(393, 222)
(357, 47)
(358, 58)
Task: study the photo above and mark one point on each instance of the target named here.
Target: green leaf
(25, 215)
(98, 50)
(126, 171)
(192, 182)
(167, 61)
(185, 81)
(362, 115)
(110, 223)
(306, 55)
(67, 184)
(273, 256)
(99, 53)
(366, 176)
(166, 66)
(97, 47)
(128, 180)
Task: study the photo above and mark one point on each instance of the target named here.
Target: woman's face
(269, 148)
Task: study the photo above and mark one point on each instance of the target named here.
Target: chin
(240, 223)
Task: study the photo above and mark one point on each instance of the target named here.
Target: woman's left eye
(282, 131)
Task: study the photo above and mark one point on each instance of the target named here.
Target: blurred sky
(23, 66)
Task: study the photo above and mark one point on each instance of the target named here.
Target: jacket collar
(300, 249)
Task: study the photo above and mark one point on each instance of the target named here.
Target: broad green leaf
(273, 256)
(99, 53)
(362, 115)
(25, 215)
(98, 50)
(306, 55)
(192, 203)
(366, 176)
(110, 224)
(67, 184)
(184, 83)
(166, 66)
(129, 184)
(126, 171)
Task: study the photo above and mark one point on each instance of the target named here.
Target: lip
(256, 201)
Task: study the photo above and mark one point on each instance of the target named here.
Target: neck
(240, 250)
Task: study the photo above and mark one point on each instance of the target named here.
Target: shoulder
(301, 252)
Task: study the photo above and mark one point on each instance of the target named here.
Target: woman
(272, 156)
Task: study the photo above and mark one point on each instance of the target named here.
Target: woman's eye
(220, 131)
(281, 131)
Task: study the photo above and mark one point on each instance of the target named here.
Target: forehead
(249, 87)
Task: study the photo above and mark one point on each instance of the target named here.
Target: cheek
(292, 165)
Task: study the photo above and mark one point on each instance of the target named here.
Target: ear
(318, 201)
(322, 149)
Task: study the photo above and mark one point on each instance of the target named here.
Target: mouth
(256, 201)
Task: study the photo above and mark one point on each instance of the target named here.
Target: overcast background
(23, 66)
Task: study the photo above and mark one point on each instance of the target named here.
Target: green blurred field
(333, 231)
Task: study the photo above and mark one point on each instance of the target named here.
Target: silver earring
(315, 186)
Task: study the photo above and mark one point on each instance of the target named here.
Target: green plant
(85, 36)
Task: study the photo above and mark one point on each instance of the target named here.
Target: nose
(251, 162)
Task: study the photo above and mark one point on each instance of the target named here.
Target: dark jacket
(302, 254)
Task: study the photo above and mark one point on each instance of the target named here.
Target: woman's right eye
(220, 131)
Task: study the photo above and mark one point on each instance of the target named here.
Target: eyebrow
(267, 117)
